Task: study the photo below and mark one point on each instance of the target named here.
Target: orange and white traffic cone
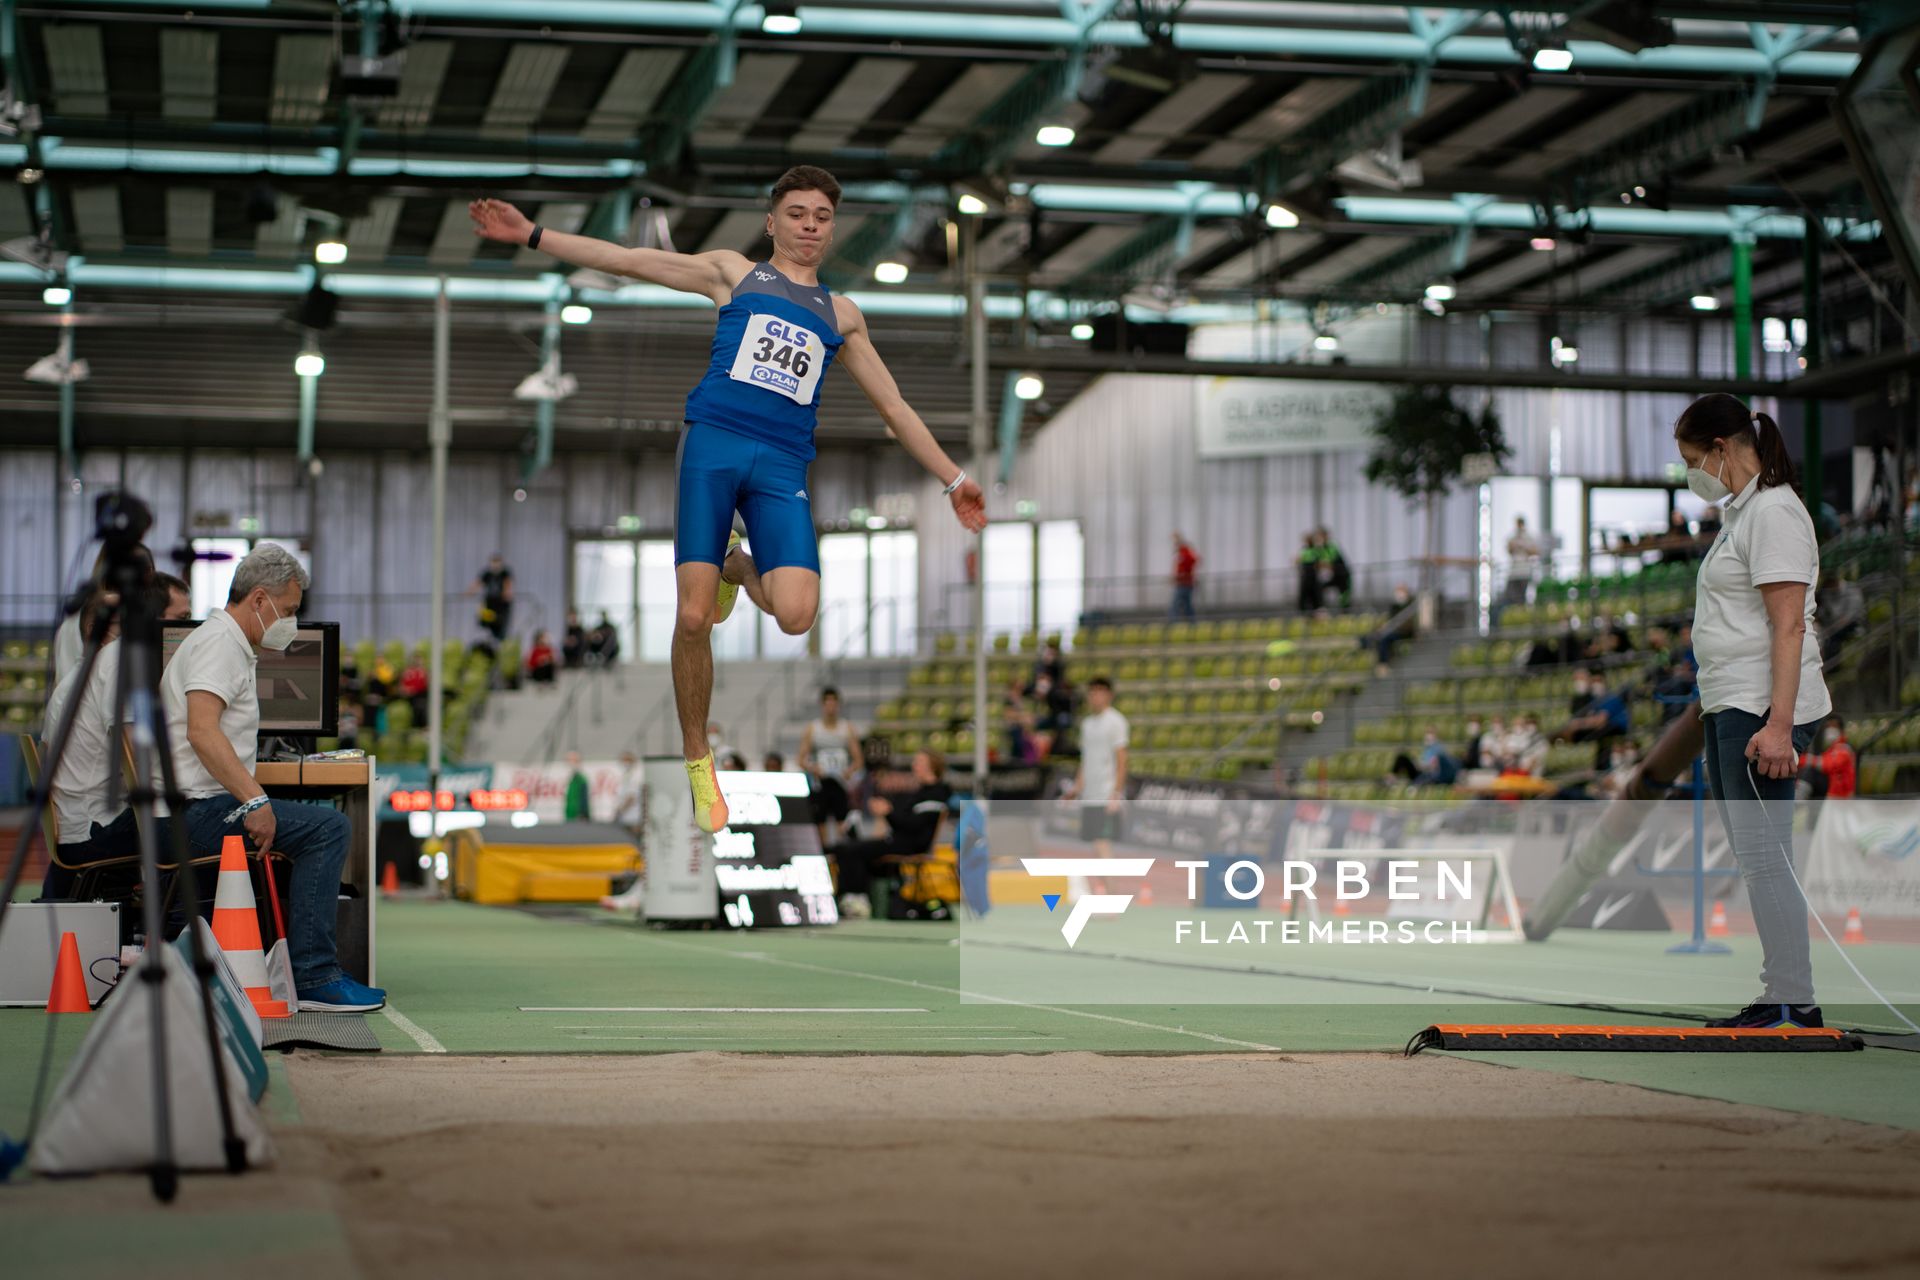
(390, 879)
(69, 991)
(236, 927)
(1717, 925)
(1855, 932)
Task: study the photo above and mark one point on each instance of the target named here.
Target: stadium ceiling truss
(1215, 150)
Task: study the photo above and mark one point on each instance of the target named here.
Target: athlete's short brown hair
(806, 177)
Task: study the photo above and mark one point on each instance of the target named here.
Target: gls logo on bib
(779, 356)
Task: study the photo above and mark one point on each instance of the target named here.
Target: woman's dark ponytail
(1724, 417)
(1776, 467)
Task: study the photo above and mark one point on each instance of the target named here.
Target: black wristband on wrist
(533, 241)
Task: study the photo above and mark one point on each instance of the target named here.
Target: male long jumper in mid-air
(749, 428)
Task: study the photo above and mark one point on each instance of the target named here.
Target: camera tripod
(121, 520)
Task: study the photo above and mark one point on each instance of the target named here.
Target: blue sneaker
(342, 995)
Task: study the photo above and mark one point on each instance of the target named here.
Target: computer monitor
(299, 687)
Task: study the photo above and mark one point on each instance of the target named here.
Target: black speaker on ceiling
(315, 310)
(1153, 339)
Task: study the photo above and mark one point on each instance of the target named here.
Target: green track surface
(466, 978)
(463, 974)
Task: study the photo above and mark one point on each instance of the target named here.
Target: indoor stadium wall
(1122, 459)
(368, 520)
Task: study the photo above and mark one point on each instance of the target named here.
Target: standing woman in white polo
(1761, 690)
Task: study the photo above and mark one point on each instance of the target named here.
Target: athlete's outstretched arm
(859, 358)
(711, 275)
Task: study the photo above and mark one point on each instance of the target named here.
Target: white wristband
(958, 480)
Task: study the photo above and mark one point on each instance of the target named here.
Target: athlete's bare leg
(693, 687)
(790, 595)
(693, 654)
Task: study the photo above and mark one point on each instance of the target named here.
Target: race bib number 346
(780, 356)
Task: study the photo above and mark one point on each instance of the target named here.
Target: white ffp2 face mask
(279, 633)
(1706, 486)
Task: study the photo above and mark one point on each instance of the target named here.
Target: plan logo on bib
(1089, 905)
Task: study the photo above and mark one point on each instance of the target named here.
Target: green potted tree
(1423, 445)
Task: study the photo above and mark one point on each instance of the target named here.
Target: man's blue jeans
(1758, 813)
(317, 839)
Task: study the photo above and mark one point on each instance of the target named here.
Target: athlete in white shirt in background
(1101, 784)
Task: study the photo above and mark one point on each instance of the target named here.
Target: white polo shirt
(1766, 536)
(69, 646)
(216, 659)
(80, 792)
(1101, 737)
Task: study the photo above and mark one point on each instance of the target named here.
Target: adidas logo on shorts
(801, 494)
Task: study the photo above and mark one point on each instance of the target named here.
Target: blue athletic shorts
(722, 471)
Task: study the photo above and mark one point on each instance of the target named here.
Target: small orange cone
(1855, 932)
(1717, 926)
(390, 879)
(236, 927)
(69, 991)
(1342, 907)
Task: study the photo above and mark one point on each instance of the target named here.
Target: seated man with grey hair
(213, 720)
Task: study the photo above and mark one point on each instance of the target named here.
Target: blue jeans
(1182, 606)
(317, 839)
(1763, 846)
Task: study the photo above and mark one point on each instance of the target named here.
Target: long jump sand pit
(1081, 1164)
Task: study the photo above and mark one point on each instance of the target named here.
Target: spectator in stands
(1474, 757)
(349, 725)
(1493, 744)
(1582, 693)
(573, 644)
(1831, 767)
(733, 762)
(1340, 573)
(1050, 664)
(213, 718)
(1605, 718)
(1052, 706)
(413, 685)
(1309, 561)
(909, 827)
(1401, 624)
(603, 642)
(1436, 767)
(494, 586)
(1526, 750)
(1609, 625)
(1625, 754)
(773, 762)
(1523, 558)
(1558, 650)
(1185, 561)
(830, 755)
(578, 790)
(540, 665)
(90, 831)
(1017, 721)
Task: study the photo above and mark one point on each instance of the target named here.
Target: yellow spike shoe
(729, 592)
(709, 809)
